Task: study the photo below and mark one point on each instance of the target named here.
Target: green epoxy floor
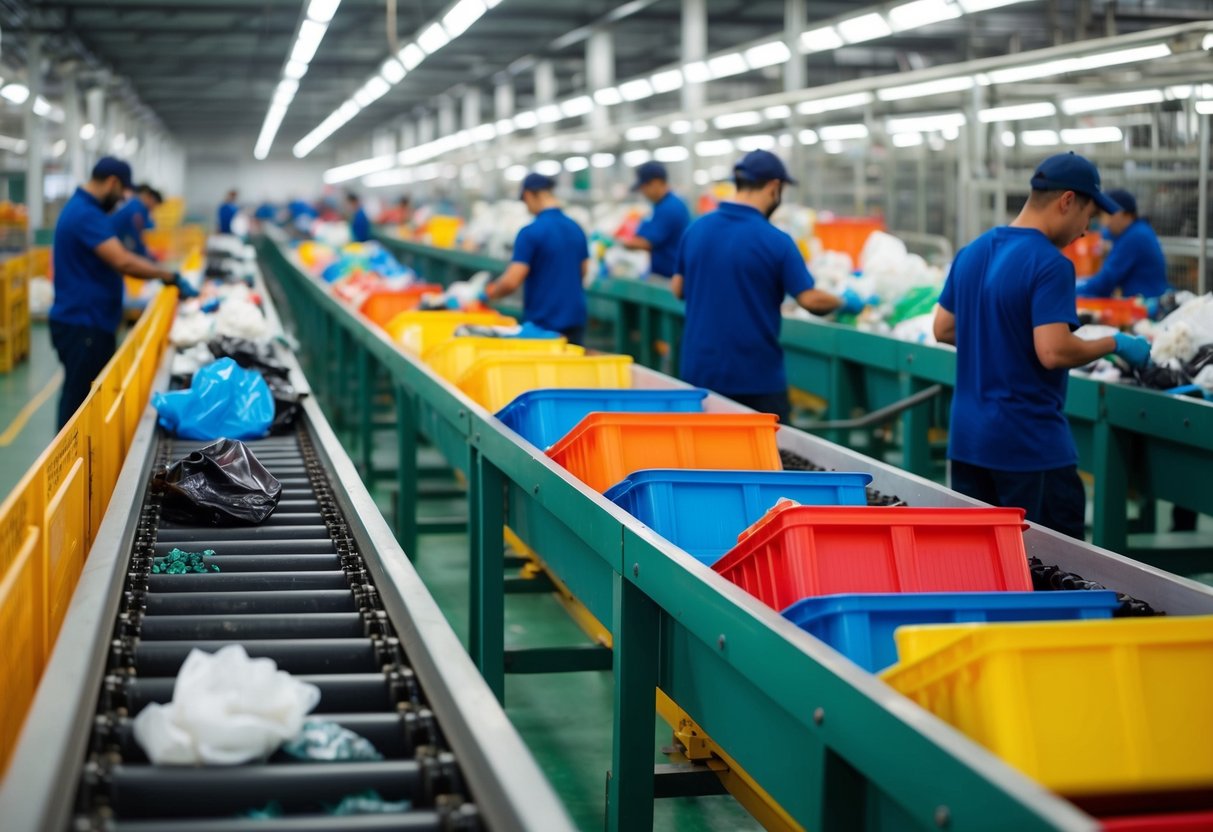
(17, 389)
(565, 719)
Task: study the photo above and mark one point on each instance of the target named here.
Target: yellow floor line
(31, 407)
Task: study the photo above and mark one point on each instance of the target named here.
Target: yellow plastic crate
(452, 358)
(495, 381)
(420, 331)
(1085, 707)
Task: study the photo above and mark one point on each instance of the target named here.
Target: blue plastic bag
(224, 401)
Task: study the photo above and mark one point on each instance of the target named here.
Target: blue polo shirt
(1007, 408)
(360, 226)
(664, 230)
(130, 221)
(554, 247)
(1135, 266)
(736, 269)
(227, 213)
(87, 291)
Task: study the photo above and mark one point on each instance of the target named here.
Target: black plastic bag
(287, 404)
(1162, 377)
(251, 355)
(222, 484)
(1202, 359)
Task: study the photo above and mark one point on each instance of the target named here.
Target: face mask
(775, 205)
(111, 201)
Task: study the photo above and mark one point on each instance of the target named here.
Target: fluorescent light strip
(925, 124)
(1039, 138)
(1064, 66)
(922, 13)
(1091, 135)
(311, 32)
(842, 132)
(747, 118)
(1093, 103)
(354, 170)
(926, 88)
(673, 153)
(1016, 112)
(643, 133)
(576, 163)
(665, 81)
(835, 102)
(768, 54)
(1204, 108)
(864, 27)
(723, 66)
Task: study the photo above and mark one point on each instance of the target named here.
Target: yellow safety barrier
(49, 521)
(174, 243)
(170, 213)
(14, 311)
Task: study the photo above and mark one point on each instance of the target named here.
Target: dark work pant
(776, 403)
(84, 352)
(575, 335)
(1055, 498)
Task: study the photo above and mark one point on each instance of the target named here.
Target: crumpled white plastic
(191, 360)
(1204, 379)
(1184, 331)
(239, 318)
(191, 328)
(226, 709)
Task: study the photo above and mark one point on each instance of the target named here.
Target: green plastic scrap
(368, 803)
(273, 809)
(178, 562)
(324, 741)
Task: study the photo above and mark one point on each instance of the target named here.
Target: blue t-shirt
(266, 211)
(360, 226)
(87, 291)
(1135, 265)
(1007, 408)
(227, 213)
(554, 247)
(130, 221)
(664, 230)
(736, 269)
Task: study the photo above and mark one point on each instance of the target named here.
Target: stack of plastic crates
(14, 312)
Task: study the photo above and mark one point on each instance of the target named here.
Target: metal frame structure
(833, 746)
(510, 790)
(1133, 440)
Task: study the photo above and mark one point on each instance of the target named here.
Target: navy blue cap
(649, 171)
(762, 166)
(1125, 200)
(1071, 172)
(108, 166)
(537, 182)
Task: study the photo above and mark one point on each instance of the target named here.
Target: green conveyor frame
(833, 745)
(1133, 441)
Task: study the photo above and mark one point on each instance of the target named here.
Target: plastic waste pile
(462, 295)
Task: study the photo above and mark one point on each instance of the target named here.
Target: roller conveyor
(306, 589)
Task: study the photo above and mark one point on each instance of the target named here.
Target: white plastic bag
(227, 709)
(191, 328)
(191, 360)
(240, 318)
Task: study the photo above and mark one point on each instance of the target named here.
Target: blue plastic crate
(861, 626)
(703, 511)
(543, 417)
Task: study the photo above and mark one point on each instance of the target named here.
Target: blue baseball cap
(108, 166)
(762, 166)
(649, 171)
(1071, 172)
(1126, 200)
(536, 182)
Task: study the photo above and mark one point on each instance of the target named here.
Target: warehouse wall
(214, 168)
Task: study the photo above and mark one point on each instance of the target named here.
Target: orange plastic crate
(606, 447)
(1118, 312)
(385, 304)
(846, 234)
(803, 551)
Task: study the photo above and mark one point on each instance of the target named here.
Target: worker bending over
(134, 217)
(551, 255)
(662, 232)
(227, 212)
(1009, 307)
(89, 263)
(734, 269)
(1135, 265)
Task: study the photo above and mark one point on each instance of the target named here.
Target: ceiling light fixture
(1016, 112)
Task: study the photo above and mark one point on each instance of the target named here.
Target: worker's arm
(585, 268)
(819, 302)
(1057, 348)
(636, 243)
(1115, 271)
(676, 286)
(128, 263)
(509, 282)
(945, 326)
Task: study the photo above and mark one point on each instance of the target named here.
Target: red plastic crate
(1176, 822)
(804, 551)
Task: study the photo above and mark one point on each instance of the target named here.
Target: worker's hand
(185, 289)
(483, 296)
(852, 303)
(1132, 348)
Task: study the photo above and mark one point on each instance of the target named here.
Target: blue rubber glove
(852, 303)
(1132, 348)
(483, 297)
(185, 289)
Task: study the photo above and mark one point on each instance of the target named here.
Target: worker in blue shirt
(734, 270)
(360, 223)
(134, 217)
(1009, 307)
(89, 263)
(661, 233)
(227, 212)
(551, 255)
(1135, 265)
